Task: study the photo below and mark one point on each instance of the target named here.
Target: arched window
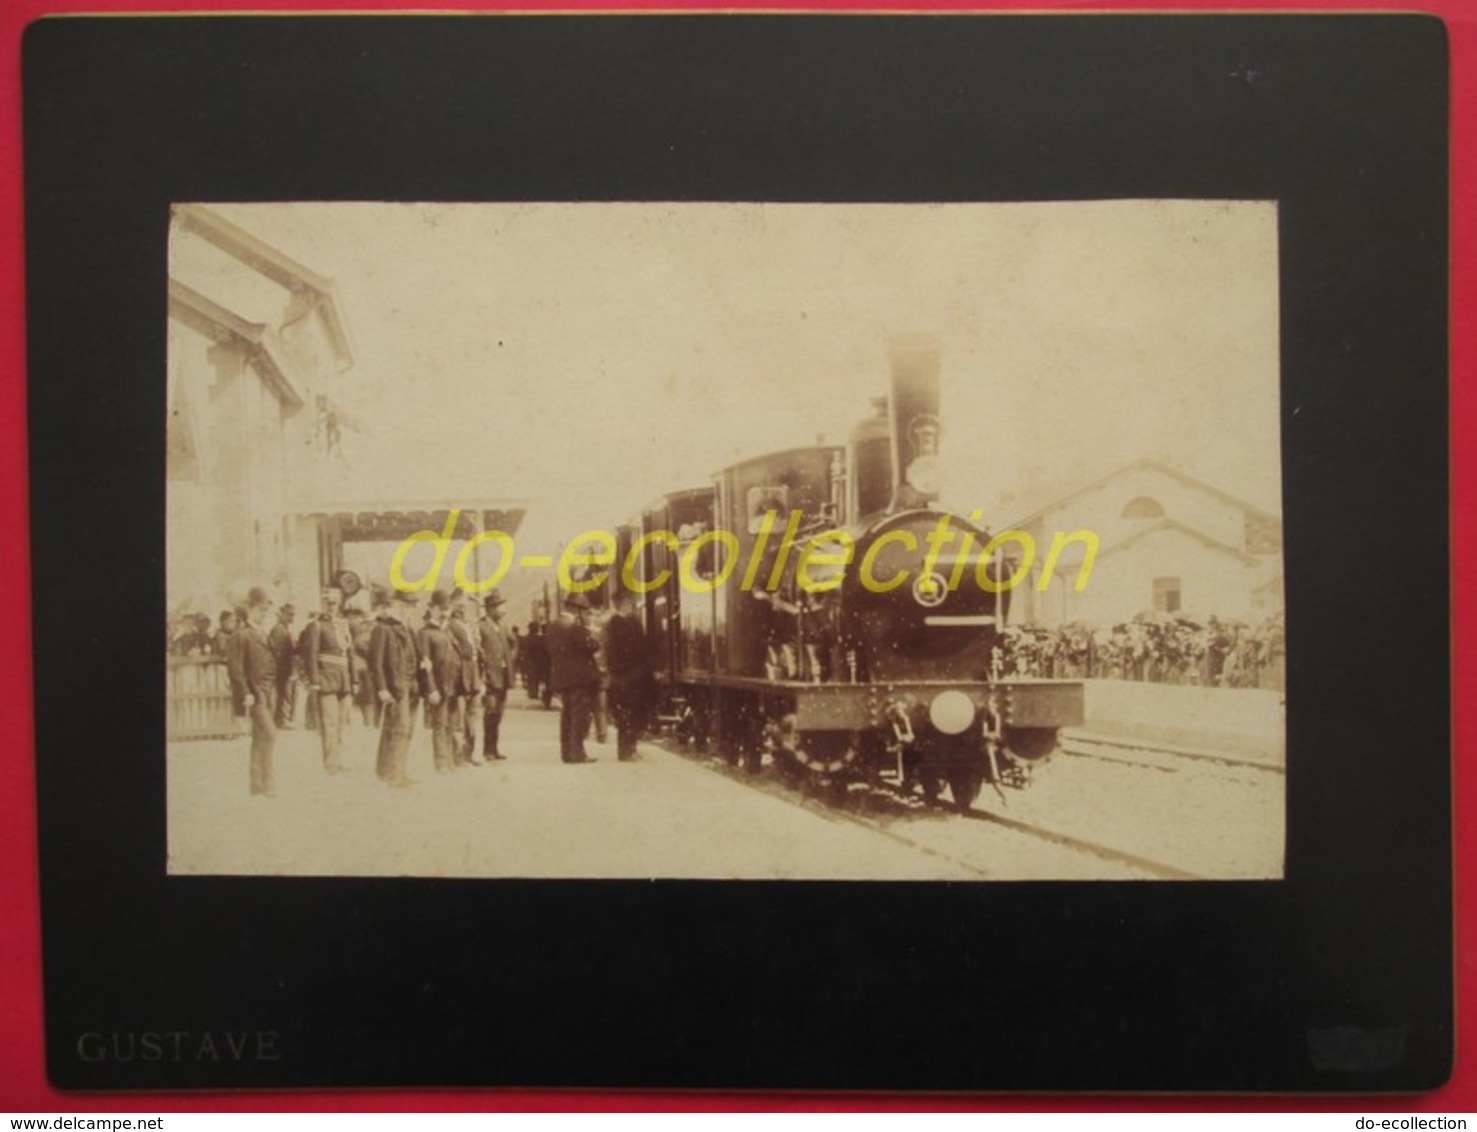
(1143, 507)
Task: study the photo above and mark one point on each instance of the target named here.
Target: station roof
(277, 266)
(256, 339)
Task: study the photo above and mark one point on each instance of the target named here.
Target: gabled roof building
(1165, 541)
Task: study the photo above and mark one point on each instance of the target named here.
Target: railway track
(905, 818)
(1162, 757)
(1156, 869)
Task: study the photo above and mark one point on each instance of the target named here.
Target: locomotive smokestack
(914, 405)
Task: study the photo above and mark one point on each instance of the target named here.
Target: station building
(1166, 542)
(258, 347)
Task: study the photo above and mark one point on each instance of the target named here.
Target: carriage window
(1167, 595)
(765, 498)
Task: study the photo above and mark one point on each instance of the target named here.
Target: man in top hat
(394, 664)
(258, 682)
(499, 661)
(326, 648)
(439, 667)
(574, 675)
(284, 652)
(465, 718)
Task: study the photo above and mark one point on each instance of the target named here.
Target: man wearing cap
(499, 656)
(574, 675)
(468, 684)
(394, 663)
(438, 667)
(284, 653)
(326, 647)
(258, 675)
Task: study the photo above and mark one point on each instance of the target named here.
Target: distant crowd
(1161, 649)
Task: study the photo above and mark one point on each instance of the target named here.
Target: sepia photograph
(725, 541)
(781, 552)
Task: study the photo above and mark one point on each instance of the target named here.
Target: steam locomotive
(864, 643)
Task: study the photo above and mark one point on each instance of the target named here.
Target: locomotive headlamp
(923, 475)
(951, 712)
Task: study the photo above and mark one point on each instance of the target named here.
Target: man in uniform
(574, 675)
(499, 659)
(394, 662)
(468, 684)
(438, 667)
(326, 648)
(284, 653)
(628, 660)
(258, 683)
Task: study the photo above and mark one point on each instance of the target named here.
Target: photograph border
(1284, 986)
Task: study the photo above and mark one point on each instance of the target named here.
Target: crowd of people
(1160, 649)
(451, 664)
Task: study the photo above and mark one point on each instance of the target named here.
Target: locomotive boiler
(817, 608)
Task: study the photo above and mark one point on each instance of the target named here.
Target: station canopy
(398, 520)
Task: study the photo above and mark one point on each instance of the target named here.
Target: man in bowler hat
(284, 652)
(258, 686)
(499, 658)
(575, 676)
(394, 664)
(439, 668)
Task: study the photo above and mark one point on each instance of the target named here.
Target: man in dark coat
(326, 650)
(284, 652)
(394, 664)
(574, 675)
(258, 684)
(465, 717)
(628, 661)
(439, 667)
(499, 660)
(536, 663)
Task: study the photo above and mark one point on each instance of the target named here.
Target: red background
(23, 1084)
